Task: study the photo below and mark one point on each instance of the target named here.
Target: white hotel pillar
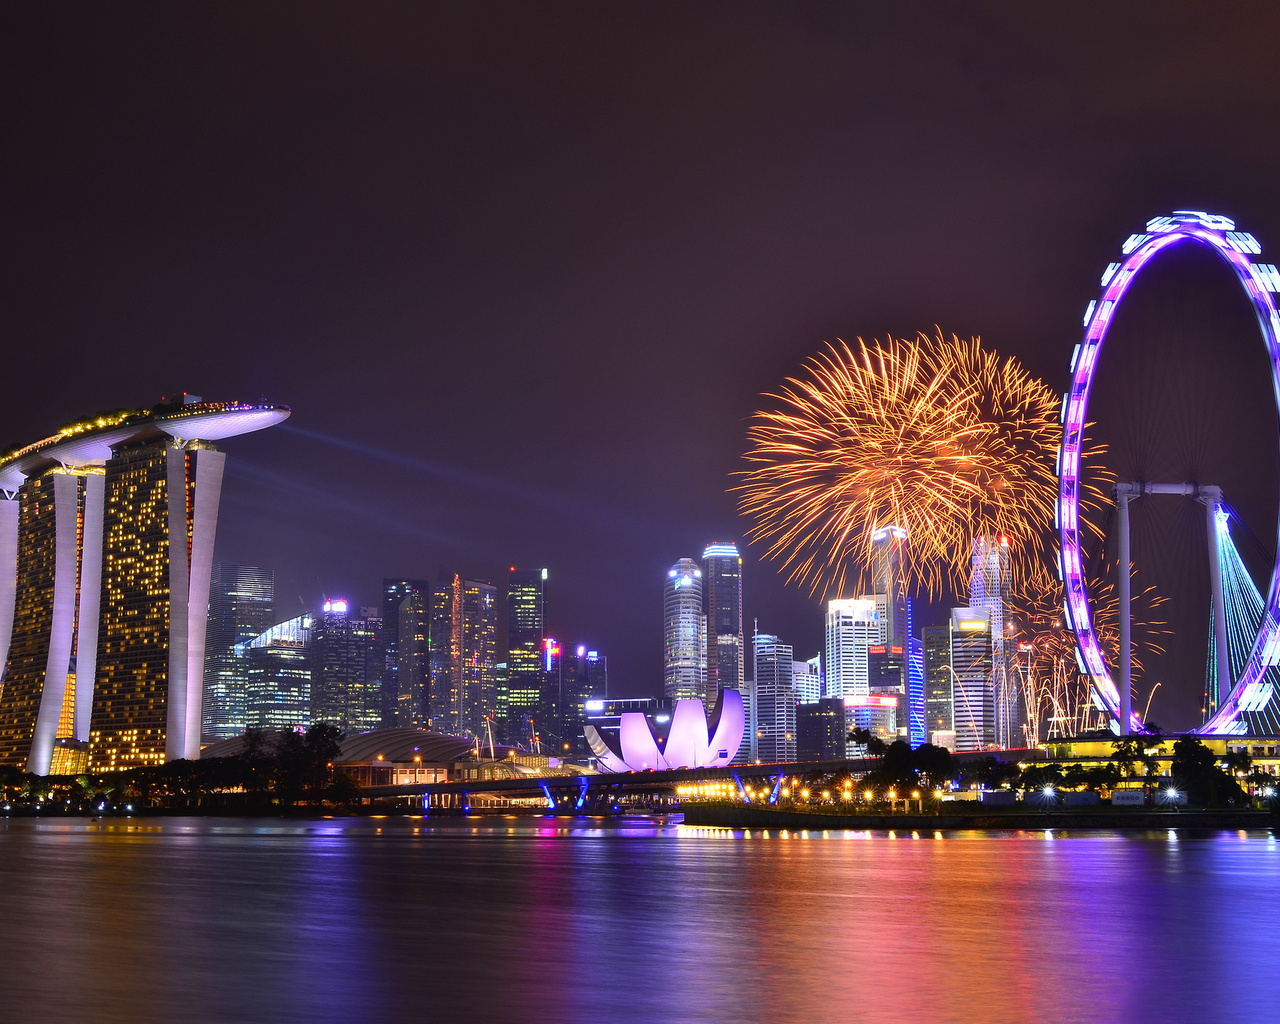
(8, 575)
(208, 491)
(175, 746)
(66, 502)
(90, 602)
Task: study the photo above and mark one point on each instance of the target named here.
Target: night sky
(522, 271)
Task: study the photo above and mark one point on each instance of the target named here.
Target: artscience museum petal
(682, 739)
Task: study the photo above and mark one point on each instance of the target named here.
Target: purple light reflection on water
(533, 919)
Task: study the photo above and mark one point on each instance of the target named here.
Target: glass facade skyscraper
(890, 585)
(990, 582)
(279, 672)
(241, 606)
(852, 626)
(973, 699)
(405, 699)
(684, 666)
(342, 691)
(463, 655)
(526, 631)
(479, 656)
(726, 647)
(775, 699)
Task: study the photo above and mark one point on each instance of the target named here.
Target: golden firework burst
(938, 436)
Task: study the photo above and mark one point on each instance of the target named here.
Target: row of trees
(275, 770)
(1207, 779)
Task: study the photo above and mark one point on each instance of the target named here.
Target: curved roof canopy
(395, 745)
(89, 441)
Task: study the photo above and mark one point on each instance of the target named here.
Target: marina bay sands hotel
(106, 551)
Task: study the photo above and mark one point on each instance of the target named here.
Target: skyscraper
(917, 720)
(684, 671)
(526, 630)
(479, 656)
(445, 640)
(279, 671)
(464, 654)
(105, 650)
(413, 659)
(775, 699)
(407, 705)
(809, 680)
(852, 626)
(974, 714)
(989, 587)
(890, 586)
(939, 685)
(726, 642)
(341, 691)
(569, 673)
(241, 606)
(597, 674)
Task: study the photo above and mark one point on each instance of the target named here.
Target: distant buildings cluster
(953, 685)
(428, 658)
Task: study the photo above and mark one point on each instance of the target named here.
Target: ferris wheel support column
(1123, 494)
(1212, 498)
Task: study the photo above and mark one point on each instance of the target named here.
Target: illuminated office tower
(726, 642)
(43, 712)
(576, 689)
(126, 611)
(412, 676)
(410, 711)
(939, 685)
(684, 666)
(241, 607)
(597, 674)
(890, 586)
(279, 673)
(809, 680)
(989, 587)
(526, 630)
(853, 626)
(501, 701)
(974, 714)
(775, 699)
(463, 654)
(916, 724)
(341, 691)
(566, 690)
(479, 656)
(371, 616)
(445, 645)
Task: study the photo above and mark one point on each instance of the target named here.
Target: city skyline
(570, 387)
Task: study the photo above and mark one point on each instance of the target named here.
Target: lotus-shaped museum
(685, 739)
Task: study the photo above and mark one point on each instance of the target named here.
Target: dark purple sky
(521, 271)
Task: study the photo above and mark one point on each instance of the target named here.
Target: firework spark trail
(940, 437)
(1054, 690)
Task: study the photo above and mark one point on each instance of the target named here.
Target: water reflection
(631, 920)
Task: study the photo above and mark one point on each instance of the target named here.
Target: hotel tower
(106, 552)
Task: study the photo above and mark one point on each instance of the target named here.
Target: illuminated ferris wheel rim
(1260, 281)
